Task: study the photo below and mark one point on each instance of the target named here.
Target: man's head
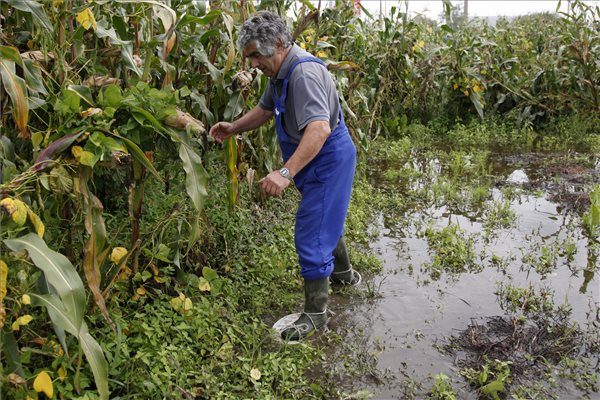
(264, 39)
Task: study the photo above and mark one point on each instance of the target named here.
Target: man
(319, 157)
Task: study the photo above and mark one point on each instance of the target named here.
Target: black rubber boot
(314, 316)
(343, 274)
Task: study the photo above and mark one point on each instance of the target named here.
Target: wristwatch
(286, 173)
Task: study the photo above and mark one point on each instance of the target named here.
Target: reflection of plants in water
(591, 219)
(452, 252)
(490, 379)
(442, 388)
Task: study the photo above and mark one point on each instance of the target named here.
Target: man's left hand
(274, 184)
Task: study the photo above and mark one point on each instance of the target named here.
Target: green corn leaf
(58, 314)
(36, 9)
(92, 350)
(59, 273)
(196, 181)
(95, 357)
(139, 155)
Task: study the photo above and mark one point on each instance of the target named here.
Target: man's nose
(254, 62)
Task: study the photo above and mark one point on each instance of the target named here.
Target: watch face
(285, 173)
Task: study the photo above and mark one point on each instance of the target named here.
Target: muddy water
(415, 312)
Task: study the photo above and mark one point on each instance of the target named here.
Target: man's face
(268, 65)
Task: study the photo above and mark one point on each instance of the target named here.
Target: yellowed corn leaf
(3, 276)
(141, 291)
(43, 383)
(255, 374)
(230, 58)
(117, 254)
(3, 281)
(21, 321)
(37, 223)
(86, 19)
(16, 88)
(168, 45)
(25, 299)
(204, 285)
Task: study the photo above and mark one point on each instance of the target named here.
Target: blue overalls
(325, 185)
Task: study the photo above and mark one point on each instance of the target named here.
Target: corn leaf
(36, 10)
(54, 149)
(196, 181)
(95, 251)
(59, 273)
(17, 91)
(95, 357)
(139, 155)
(58, 314)
(231, 154)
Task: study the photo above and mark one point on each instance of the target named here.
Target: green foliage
(452, 252)
(442, 388)
(491, 380)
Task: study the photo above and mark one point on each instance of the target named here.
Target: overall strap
(281, 106)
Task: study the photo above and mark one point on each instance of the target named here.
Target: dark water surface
(415, 312)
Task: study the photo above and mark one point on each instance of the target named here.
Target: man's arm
(251, 120)
(313, 139)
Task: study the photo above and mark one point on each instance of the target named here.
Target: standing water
(490, 283)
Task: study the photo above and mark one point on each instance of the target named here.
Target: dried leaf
(98, 80)
(15, 379)
(91, 111)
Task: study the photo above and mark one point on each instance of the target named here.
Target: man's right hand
(221, 131)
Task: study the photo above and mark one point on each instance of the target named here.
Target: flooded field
(490, 285)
